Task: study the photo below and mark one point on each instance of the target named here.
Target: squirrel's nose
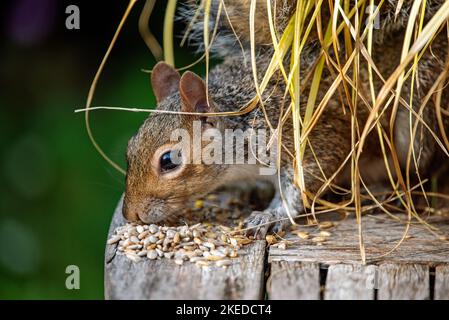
(139, 212)
(129, 212)
(146, 210)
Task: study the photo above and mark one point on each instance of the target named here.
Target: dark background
(57, 194)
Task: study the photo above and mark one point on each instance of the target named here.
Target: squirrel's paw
(260, 222)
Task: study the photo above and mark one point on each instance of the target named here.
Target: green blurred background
(57, 194)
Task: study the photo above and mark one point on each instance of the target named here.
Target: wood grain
(350, 282)
(380, 236)
(403, 282)
(441, 291)
(294, 280)
(163, 279)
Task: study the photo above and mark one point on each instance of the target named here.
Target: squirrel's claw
(259, 223)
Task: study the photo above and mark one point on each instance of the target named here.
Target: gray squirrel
(157, 188)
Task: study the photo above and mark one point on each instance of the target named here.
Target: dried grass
(358, 38)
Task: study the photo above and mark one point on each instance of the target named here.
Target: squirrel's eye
(167, 162)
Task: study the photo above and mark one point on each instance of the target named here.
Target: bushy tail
(231, 19)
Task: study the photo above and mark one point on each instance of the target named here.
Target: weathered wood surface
(418, 269)
(294, 280)
(403, 282)
(163, 279)
(380, 235)
(441, 283)
(403, 274)
(349, 282)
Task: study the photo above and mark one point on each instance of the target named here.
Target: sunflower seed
(223, 263)
(153, 239)
(212, 197)
(152, 254)
(217, 253)
(176, 238)
(152, 246)
(199, 204)
(209, 245)
(146, 242)
(142, 253)
(318, 239)
(270, 239)
(143, 234)
(326, 225)
(213, 258)
(302, 235)
(114, 239)
(171, 234)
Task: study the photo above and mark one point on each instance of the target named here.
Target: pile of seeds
(203, 243)
(210, 234)
(298, 234)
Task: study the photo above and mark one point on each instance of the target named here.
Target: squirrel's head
(161, 177)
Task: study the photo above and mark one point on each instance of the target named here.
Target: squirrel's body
(154, 195)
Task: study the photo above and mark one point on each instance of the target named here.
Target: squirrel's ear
(164, 80)
(193, 93)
